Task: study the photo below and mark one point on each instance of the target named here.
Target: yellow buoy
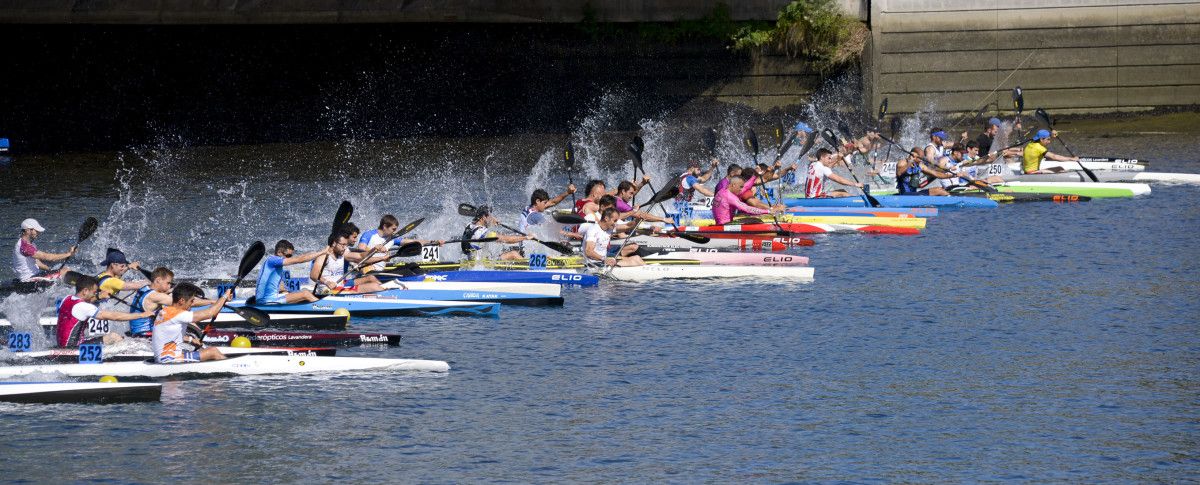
(342, 312)
(240, 342)
(108, 379)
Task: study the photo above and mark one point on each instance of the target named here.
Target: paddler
(623, 202)
(329, 269)
(821, 169)
(115, 267)
(914, 178)
(270, 288)
(80, 320)
(1038, 149)
(596, 237)
(152, 297)
(30, 264)
(479, 228)
(592, 192)
(728, 201)
(382, 239)
(692, 180)
(990, 130)
(170, 327)
(539, 201)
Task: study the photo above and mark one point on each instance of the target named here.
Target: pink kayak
(730, 258)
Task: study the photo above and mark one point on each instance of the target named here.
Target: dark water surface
(1033, 342)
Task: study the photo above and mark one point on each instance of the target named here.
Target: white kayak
(1106, 176)
(79, 392)
(137, 352)
(1136, 189)
(1092, 163)
(238, 365)
(727, 257)
(231, 319)
(653, 272)
(545, 289)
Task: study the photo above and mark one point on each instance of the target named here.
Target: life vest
(142, 326)
(67, 322)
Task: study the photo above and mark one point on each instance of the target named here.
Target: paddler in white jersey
(30, 264)
(596, 237)
(480, 227)
(80, 320)
(539, 201)
(170, 327)
(328, 270)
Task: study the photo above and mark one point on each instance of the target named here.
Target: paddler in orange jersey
(1038, 149)
(170, 327)
(151, 298)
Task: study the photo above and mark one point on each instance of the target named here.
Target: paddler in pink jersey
(728, 203)
(80, 320)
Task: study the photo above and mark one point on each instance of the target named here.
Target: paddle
(750, 140)
(469, 210)
(367, 256)
(344, 211)
(709, 138)
(249, 261)
(569, 161)
(85, 231)
(894, 126)
(866, 191)
(568, 218)
(636, 146)
(1045, 117)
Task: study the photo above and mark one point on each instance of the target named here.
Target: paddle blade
(709, 137)
(883, 109)
(409, 227)
(844, 129)
(1018, 97)
(71, 277)
(408, 250)
(1044, 117)
(635, 148)
(568, 218)
(557, 246)
(568, 156)
(344, 212)
(750, 139)
(465, 209)
(253, 316)
(809, 139)
(251, 258)
(778, 133)
(830, 138)
(663, 194)
(895, 126)
(696, 238)
(87, 229)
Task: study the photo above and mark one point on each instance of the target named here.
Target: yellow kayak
(906, 222)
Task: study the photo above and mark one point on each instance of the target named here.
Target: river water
(1034, 342)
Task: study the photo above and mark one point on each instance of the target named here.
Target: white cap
(32, 224)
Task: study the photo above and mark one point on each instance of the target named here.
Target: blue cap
(994, 122)
(802, 126)
(939, 134)
(114, 256)
(1041, 134)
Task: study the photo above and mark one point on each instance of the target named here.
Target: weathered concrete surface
(1072, 55)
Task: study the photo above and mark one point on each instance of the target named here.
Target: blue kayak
(559, 278)
(896, 201)
(374, 305)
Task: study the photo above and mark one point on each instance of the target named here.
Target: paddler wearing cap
(1037, 149)
(31, 264)
(115, 267)
(479, 229)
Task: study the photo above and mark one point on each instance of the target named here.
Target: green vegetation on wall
(814, 29)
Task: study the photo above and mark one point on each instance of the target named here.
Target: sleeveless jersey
(142, 326)
(68, 322)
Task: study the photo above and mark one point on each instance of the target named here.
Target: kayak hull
(376, 306)
(661, 272)
(729, 258)
(79, 392)
(1104, 176)
(733, 242)
(803, 228)
(239, 365)
(551, 277)
(902, 220)
(896, 201)
(270, 338)
(1095, 190)
(228, 319)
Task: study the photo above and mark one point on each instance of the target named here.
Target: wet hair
(607, 201)
(84, 282)
(972, 144)
(607, 212)
(763, 166)
(958, 147)
(283, 245)
(732, 167)
(184, 291)
(591, 185)
(624, 185)
(333, 237)
(538, 196)
(388, 220)
(350, 228)
(161, 272)
(822, 152)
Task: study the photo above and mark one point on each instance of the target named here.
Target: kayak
(72, 355)
(1092, 163)
(561, 278)
(735, 242)
(270, 338)
(79, 392)
(525, 294)
(726, 258)
(906, 221)
(1094, 190)
(249, 364)
(652, 272)
(704, 210)
(1107, 176)
(327, 320)
(894, 201)
(9, 287)
(1013, 197)
(381, 306)
(803, 228)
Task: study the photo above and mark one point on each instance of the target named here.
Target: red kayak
(743, 230)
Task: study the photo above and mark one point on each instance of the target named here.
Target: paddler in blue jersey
(270, 288)
(480, 227)
(914, 178)
(153, 297)
(692, 180)
(382, 239)
(539, 201)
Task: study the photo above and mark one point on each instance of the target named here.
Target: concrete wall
(1074, 55)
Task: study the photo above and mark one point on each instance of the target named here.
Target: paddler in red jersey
(821, 169)
(592, 192)
(80, 320)
(170, 327)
